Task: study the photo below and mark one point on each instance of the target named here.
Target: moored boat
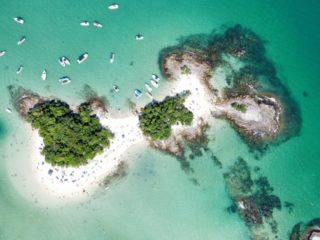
(116, 88)
(155, 77)
(65, 80)
(62, 62)
(2, 53)
(149, 95)
(22, 40)
(82, 58)
(139, 37)
(8, 110)
(148, 87)
(154, 83)
(19, 70)
(85, 24)
(19, 20)
(66, 61)
(44, 75)
(97, 24)
(113, 6)
(137, 93)
(112, 57)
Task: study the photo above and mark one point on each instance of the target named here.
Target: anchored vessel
(22, 40)
(2, 53)
(19, 20)
(19, 70)
(139, 37)
(85, 24)
(137, 93)
(97, 24)
(65, 80)
(113, 6)
(112, 56)
(44, 74)
(82, 58)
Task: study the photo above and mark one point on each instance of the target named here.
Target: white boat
(149, 95)
(2, 53)
(85, 24)
(66, 61)
(19, 20)
(137, 93)
(155, 77)
(82, 58)
(113, 6)
(112, 56)
(8, 110)
(19, 70)
(65, 80)
(22, 40)
(154, 83)
(116, 88)
(62, 62)
(97, 24)
(44, 74)
(148, 87)
(139, 37)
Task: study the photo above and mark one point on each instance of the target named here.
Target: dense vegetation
(70, 138)
(158, 117)
(239, 106)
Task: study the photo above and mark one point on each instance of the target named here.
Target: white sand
(76, 183)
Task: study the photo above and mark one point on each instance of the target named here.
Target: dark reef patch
(120, 173)
(253, 197)
(304, 231)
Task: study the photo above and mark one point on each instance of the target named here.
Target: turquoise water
(156, 200)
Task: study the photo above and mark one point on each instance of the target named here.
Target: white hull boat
(116, 88)
(139, 37)
(113, 6)
(19, 20)
(137, 93)
(85, 24)
(155, 77)
(112, 57)
(148, 87)
(82, 58)
(19, 70)
(97, 24)
(44, 75)
(8, 110)
(21, 41)
(2, 53)
(154, 83)
(65, 80)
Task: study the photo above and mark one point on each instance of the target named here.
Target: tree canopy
(70, 138)
(158, 117)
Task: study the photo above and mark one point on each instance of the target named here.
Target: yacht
(148, 87)
(85, 24)
(22, 40)
(116, 88)
(44, 74)
(2, 53)
(112, 56)
(149, 95)
(82, 58)
(65, 80)
(139, 37)
(155, 77)
(97, 24)
(137, 93)
(19, 70)
(8, 110)
(19, 20)
(113, 6)
(154, 83)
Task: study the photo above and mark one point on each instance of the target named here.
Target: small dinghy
(8, 110)
(139, 37)
(65, 80)
(97, 24)
(19, 20)
(137, 93)
(155, 77)
(112, 57)
(44, 75)
(148, 87)
(82, 58)
(21, 41)
(85, 24)
(19, 70)
(2, 53)
(116, 88)
(113, 6)
(154, 83)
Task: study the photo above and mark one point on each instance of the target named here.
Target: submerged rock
(308, 231)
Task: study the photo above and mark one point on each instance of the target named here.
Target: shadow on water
(258, 70)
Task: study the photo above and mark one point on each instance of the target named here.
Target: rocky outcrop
(257, 118)
(307, 231)
(26, 102)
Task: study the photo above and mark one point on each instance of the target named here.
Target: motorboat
(154, 83)
(137, 93)
(8, 110)
(22, 40)
(65, 80)
(19, 70)
(139, 37)
(44, 74)
(148, 87)
(82, 58)
(66, 60)
(113, 6)
(149, 95)
(62, 62)
(85, 24)
(2, 53)
(97, 24)
(116, 88)
(19, 20)
(155, 77)
(112, 56)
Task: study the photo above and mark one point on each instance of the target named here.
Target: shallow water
(157, 199)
